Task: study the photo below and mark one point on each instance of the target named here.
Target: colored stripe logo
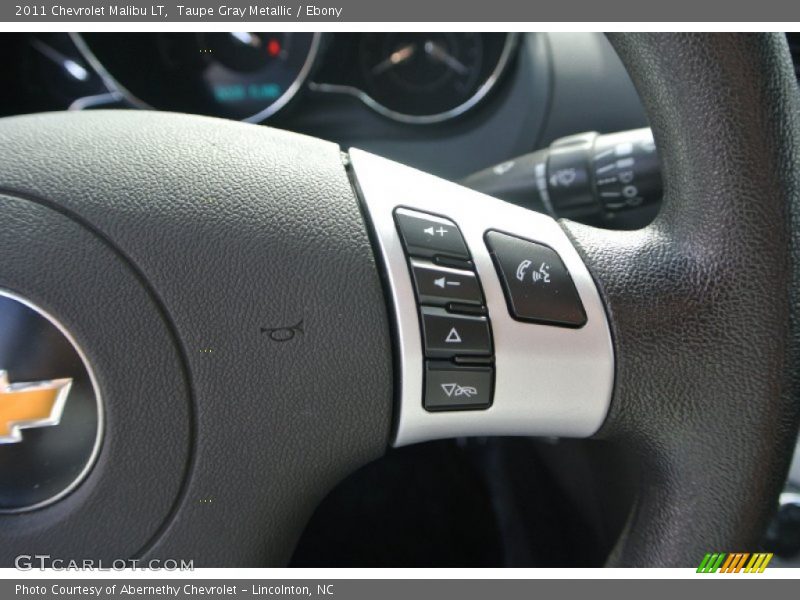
(736, 562)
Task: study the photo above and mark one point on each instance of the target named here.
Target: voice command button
(536, 284)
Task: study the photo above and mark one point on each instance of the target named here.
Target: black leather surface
(703, 303)
(236, 228)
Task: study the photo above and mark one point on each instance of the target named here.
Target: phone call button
(536, 284)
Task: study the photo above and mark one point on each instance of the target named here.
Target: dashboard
(450, 103)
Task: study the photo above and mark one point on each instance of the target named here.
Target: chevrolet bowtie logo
(29, 405)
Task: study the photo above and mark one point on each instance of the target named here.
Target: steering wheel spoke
(547, 352)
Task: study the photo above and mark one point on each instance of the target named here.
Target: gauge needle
(247, 38)
(436, 52)
(397, 57)
(70, 66)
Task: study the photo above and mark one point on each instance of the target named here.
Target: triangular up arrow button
(453, 337)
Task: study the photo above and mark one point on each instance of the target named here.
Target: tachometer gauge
(240, 75)
(430, 77)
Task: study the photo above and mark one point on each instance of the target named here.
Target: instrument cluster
(418, 78)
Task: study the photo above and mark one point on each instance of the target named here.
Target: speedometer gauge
(240, 75)
(430, 77)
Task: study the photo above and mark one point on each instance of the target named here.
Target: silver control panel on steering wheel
(499, 328)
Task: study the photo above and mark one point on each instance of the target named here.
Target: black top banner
(49, 11)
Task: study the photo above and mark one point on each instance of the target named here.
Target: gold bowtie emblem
(29, 405)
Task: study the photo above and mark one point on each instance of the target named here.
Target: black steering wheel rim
(703, 302)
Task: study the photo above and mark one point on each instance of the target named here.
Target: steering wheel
(242, 298)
